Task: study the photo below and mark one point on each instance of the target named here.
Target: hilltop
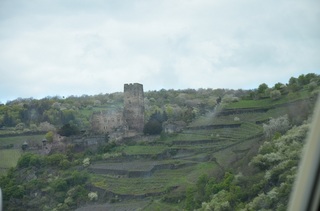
(196, 147)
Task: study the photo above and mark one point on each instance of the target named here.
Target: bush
(46, 126)
(280, 125)
(77, 178)
(69, 130)
(30, 159)
(49, 136)
(86, 162)
(236, 119)
(93, 196)
(312, 86)
(20, 126)
(64, 164)
(262, 88)
(153, 127)
(275, 94)
(55, 159)
(59, 185)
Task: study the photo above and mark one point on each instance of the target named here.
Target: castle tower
(134, 106)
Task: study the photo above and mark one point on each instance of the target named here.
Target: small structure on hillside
(24, 145)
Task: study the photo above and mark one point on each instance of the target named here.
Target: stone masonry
(134, 106)
(128, 121)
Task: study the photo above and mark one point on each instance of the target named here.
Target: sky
(76, 47)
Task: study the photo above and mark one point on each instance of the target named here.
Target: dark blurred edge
(306, 192)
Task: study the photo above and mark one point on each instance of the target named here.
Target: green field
(17, 141)
(144, 150)
(266, 103)
(8, 159)
(160, 181)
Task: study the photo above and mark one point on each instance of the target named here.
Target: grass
(8, 159)
(160, 181)
(246, 130)
(18, 140)
(231, 154)
(158, 205)
(209, 168)
(144, 150)
(265, 103)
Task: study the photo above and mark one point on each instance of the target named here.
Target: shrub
(93, 196)
(59, 185)
(55, 159)
(229, 99)
(33, 127)
(153, 127)
(86, 162)
(312, 86)
(46, 126)
(275, 94)
(49, 136)
(64, 164)
(262, 88)
(77, 178)
(69, 130)
(30, 159)
(20, 126)
(280, 125)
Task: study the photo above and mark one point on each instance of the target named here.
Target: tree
(69, 130)
(49, 136)
(93, 196)
(8, 119)
(294, 84)
(20, 126)
(262, 88)
(154, 125)
(86, 162)
(46, 126)
(278, 86)
(275, 94)
(280, 125)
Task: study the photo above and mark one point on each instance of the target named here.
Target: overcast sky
(75, 47)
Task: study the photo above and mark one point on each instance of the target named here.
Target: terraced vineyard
(209, 145)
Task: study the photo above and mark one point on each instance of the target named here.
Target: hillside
(207, 154)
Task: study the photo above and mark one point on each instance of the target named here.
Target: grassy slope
(267, 103)
(227, 148)
(18, 140)
(8, 159)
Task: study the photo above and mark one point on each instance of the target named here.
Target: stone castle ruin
(120, 123)
(134, 106)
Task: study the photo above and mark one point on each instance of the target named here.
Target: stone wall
(134, 106)
(108, 121)
(126, 122)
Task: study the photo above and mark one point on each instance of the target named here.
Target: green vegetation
(239, 154)
(12, 141)
(277, 161)
(141, 150)
(8, 159)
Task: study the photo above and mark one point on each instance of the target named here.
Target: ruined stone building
(125, 122)
(134, 106)
(108, 121)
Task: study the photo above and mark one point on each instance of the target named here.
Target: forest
(235, 150)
